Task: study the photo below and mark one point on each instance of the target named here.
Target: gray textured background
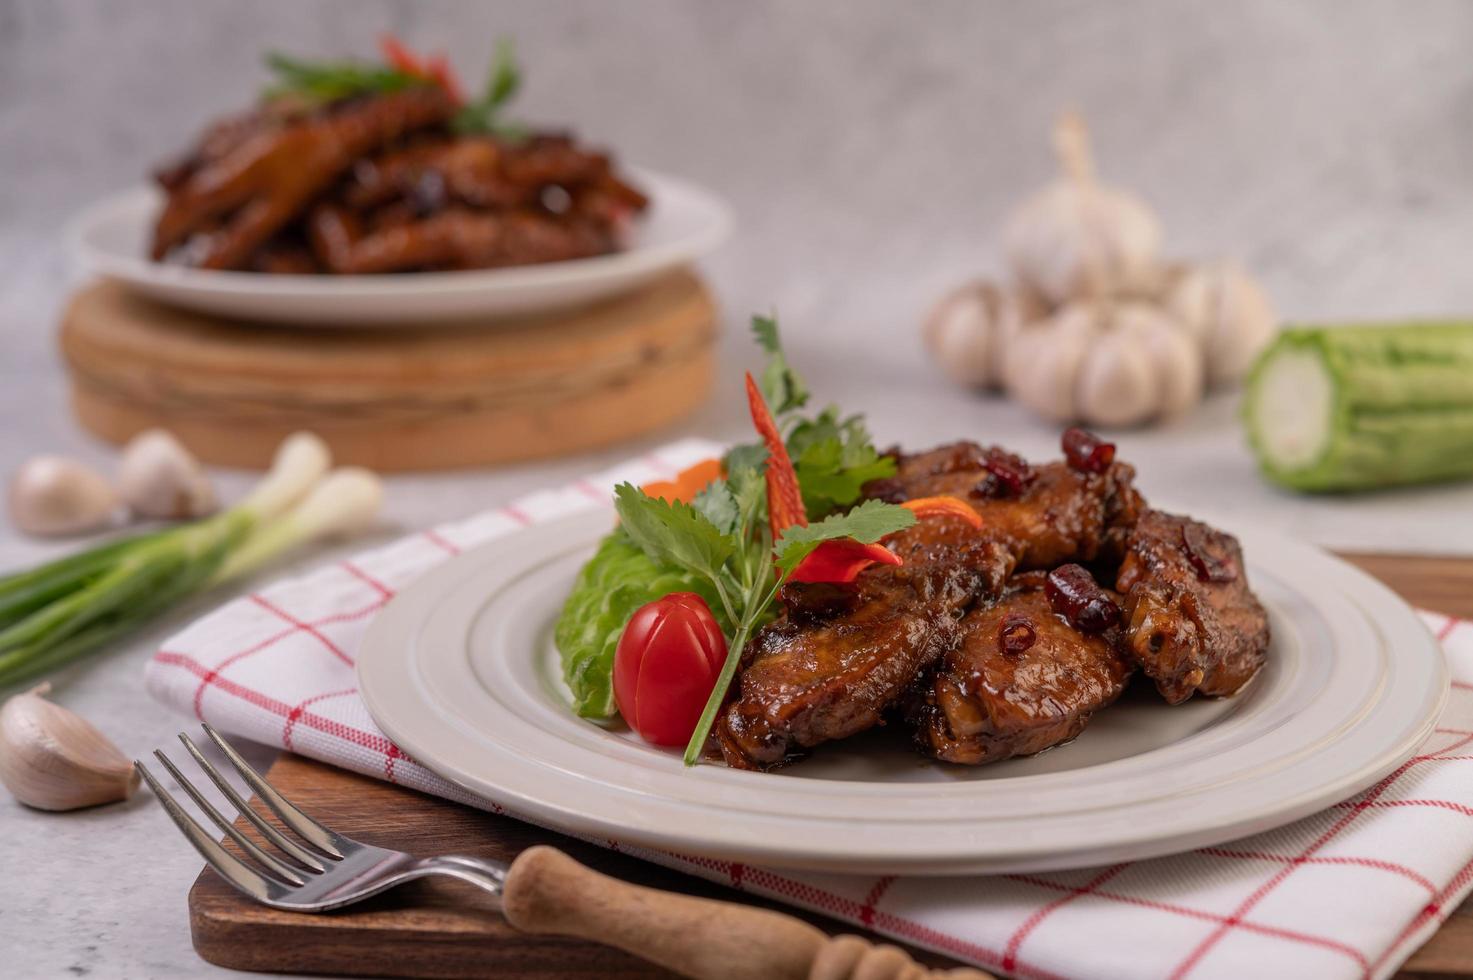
(871, 150)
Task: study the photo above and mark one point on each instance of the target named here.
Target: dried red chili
(1074, 594)
(1209, 552)
(1008, 475)
(1015, 634)
(1086, 451)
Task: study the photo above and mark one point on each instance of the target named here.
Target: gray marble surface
(871, 150)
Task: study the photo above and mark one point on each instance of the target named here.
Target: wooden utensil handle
(549, 892)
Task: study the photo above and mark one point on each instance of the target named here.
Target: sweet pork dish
(999, 640)
(351, 169)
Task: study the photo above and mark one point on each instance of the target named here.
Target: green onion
(57, 612)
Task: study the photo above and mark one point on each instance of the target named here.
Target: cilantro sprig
(329, 81)
(722, 537)
(484, 115)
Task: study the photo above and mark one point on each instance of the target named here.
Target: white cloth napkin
(1350, 892)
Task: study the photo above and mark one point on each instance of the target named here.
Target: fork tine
(227, 865)
(281, 869)
(287, 845)
(310, 830)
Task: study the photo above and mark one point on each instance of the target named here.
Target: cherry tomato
(666, 665)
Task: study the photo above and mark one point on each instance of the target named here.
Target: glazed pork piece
(1191, 621)
(1021, 680)
(843, 655)
(380, 184)
(1048, 514)
(250, 179)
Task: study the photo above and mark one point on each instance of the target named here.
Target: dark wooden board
(446, 929)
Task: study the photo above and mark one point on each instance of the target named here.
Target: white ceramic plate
(683, 223)
(461, 671)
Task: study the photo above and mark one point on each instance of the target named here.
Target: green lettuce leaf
(617, 580)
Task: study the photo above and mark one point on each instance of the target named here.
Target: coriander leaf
(749, 490)
(867, 523)
(673, 534)
(483, 116)
(748, 457)
(718, 505)
(506, 75)
(781, 385)
(834, 459)
(328, 81)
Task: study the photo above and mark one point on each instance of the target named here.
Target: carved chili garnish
(1074, 594)
(1209, 552)
(1016, 634)
(1007, 475)
(1086, 451)
(784, 497)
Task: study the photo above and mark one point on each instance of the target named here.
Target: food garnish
(1074, 594)
(737, 540)
(1008, 475)
(1332, 409)
(668, 659)
(841, 561)
(1086, 451)
(943, 506)
(688, 483)
(53, 759)
(1015, 634)
(59, 611)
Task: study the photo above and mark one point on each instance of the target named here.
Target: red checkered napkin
(1348, 892)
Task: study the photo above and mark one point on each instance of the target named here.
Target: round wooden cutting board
(392, 399)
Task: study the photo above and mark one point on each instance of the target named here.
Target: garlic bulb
(968, 331)
(159, 478)
(52, 759)
(51, 495)
(1105, 364)
(1229, 314)
(1078, 238)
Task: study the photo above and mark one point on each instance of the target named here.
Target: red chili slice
(784, 498)
(841, 561)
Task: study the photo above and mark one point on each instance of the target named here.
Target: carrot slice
(945, 506)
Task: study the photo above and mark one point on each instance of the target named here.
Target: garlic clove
(1043, 362)
(1118, 384)
(968, 332)
(55, 495)
(1079, 239)
(53, 759)
(1178, 363)
(1229, 313)
(159, 478)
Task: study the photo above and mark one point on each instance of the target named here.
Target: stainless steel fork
(542, 891)
(326, 870)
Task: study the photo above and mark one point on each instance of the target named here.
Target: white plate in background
(683, 223)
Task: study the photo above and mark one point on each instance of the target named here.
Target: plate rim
(378, 652)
